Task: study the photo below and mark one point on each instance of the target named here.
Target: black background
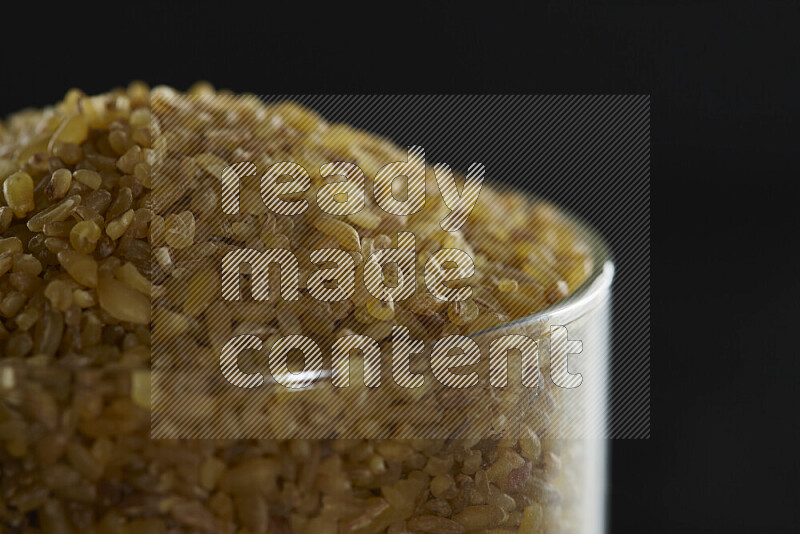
(723, 456)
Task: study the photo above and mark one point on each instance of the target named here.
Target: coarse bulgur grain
(80, 226)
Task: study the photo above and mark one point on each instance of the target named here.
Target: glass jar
(76, 454)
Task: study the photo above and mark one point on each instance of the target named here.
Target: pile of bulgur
(87, 247)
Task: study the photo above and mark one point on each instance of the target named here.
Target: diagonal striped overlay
(587, 154)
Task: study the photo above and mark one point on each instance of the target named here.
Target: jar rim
(592, 293)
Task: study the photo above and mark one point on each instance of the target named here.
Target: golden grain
(82, 253)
